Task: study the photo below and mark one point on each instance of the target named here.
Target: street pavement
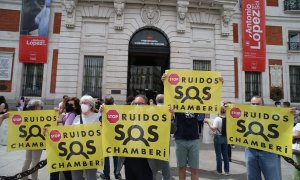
(12, 162)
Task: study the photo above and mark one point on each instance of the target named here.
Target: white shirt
(297, 127)
(93, 118)
(218, 124)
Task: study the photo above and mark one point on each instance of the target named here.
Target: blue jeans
(106, 170)
(221, 150)
(258, 162)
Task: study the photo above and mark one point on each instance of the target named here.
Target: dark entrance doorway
(149, 57)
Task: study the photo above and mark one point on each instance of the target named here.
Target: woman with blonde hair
(220, 141)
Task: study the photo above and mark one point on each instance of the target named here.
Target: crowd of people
(74, 111)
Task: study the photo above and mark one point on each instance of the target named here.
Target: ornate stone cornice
(226, 15)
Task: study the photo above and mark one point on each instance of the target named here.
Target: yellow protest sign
(136, 131)
(25, 129)
(74, 147)
(193, 91)
(260, 127)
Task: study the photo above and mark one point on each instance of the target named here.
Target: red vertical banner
(254, 35)
(33, 45)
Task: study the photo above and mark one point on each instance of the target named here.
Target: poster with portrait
(33, 45)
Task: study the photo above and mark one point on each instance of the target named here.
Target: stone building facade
(95, 45)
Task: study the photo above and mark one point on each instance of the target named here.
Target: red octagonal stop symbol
(55, 135)
(235, 112)
(17, 119)
(112, 116)
(173, 79)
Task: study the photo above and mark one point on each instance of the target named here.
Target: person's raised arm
(209, 125)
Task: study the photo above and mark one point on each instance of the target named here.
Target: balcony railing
(294, 46)
(290, 5)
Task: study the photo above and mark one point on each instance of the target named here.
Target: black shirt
(187, 126)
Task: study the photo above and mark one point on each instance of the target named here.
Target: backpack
(223, 131)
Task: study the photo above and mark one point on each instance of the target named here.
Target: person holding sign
(106, 172)
(88, 115)
(70, 111)
(187, 130)
(164, 166)
(259, 161)
(136, 168)
(187, 142)
(33, 156)
(220, 141)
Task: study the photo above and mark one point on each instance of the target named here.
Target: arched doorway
(148, 58)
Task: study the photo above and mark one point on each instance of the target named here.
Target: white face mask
(85, 108)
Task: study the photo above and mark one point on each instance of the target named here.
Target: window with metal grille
(295, 83)
(294, 40)
(290, 5)
(32, 79)
(92, 76)
(200, 65)
(252, 84)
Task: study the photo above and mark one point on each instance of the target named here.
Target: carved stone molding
(150, 14)
(119, 6)
(70, 6)
(276, 75)
(226, 15)
(182, 9)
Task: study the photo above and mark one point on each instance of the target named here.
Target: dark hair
(65, 96)
(76, 103)
(109, 100)
(286, 103)
(2, 99)
(100, 100)
(129, 100)
(277, 103)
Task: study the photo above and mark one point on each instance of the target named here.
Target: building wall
(9, 38)
(278, 23)
(201, 41)
(94, 34)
